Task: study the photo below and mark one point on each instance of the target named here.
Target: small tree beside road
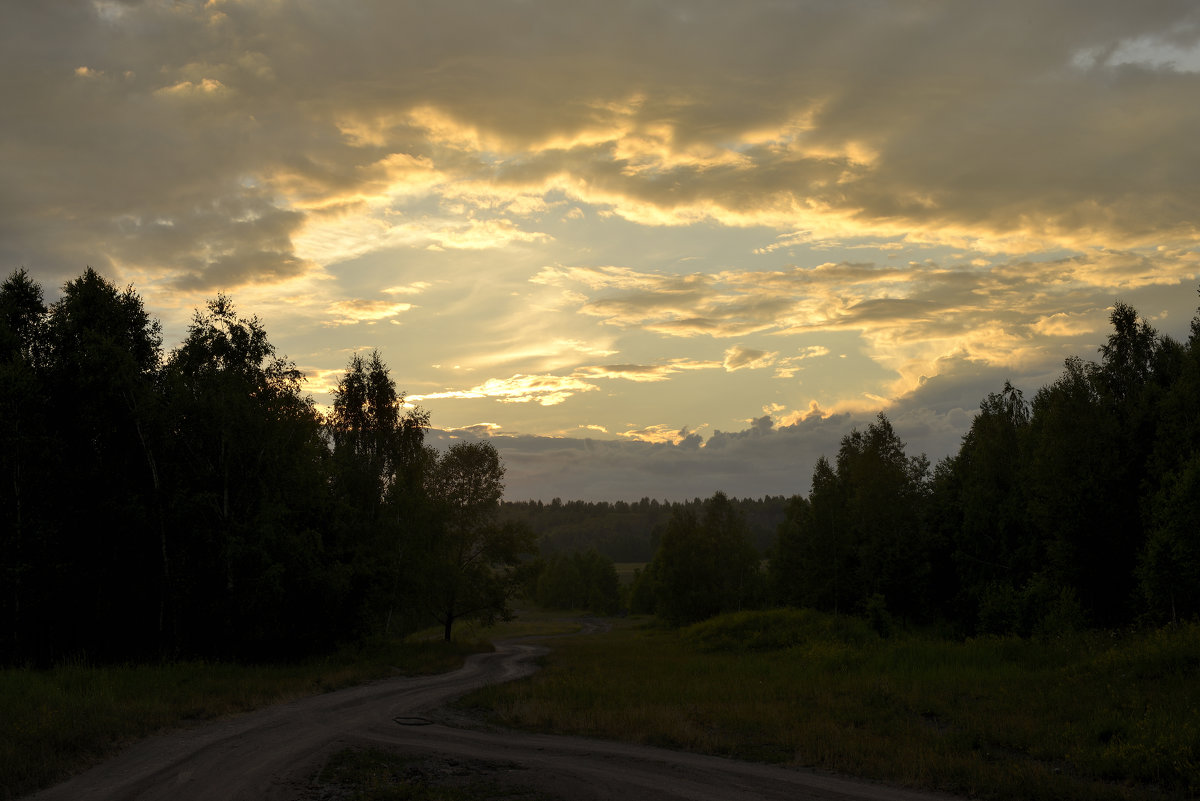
(474, 560)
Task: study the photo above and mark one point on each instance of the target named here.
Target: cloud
(477, 430)
(645, 372)
(666, 463)
(739, 357)
(815, 121)
(660, 434)
(579, 192)
(550, 390)
(546, 390)
(415, 288)
(346, 312)
(1062, 324)
(908, 316)
(769, 457)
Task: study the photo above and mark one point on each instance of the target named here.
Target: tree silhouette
(471, 570)
(377, 468)
(248, 487)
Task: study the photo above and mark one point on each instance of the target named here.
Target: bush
(777, 629)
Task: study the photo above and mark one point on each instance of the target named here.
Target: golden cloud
(643, 373)
(658, 434)
(348, 312)
(739, 357)
(546, 390)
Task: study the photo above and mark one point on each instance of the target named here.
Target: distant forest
(195, 503)
(631, 532)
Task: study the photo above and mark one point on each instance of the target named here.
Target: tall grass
(55, 722)
(1097, 716)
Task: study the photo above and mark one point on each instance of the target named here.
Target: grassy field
(1098, 716)
(55, 722)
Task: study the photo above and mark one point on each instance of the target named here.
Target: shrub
(777, 629)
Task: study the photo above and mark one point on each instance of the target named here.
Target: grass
(1097, 716)
(56, 722)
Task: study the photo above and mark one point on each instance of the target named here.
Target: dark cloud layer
(984, 121)
(766, 458)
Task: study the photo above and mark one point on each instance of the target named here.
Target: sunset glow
(663, 248)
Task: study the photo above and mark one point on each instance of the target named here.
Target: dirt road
(272, 754)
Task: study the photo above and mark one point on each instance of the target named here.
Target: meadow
(1091, 716)
(55, 722)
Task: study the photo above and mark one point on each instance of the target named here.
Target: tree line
(630, 531)
(196, 503)
(1080, 508)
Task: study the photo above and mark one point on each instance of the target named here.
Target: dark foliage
(1078, 509)
(198, 505)
(630, 531)
(582, 580)
(705, 565)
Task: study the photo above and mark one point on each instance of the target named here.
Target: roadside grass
(373, 774)
(56, 722)
(1094, 716)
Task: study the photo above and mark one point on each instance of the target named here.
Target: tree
(248, 493)
(705, 564)
(993, 543)
(791, 555)
(583, 580)
(1169, 566)
(1128, 355)
(810, 563)
(373, 434)
(377, 467)
(24, 447)
(101, 354)
(862, 535)
(883, 493)
(472, 557)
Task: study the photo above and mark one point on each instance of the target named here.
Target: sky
(650, 248)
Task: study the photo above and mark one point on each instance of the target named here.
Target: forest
(630, 531)
(1078, 509)
(195, 503)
